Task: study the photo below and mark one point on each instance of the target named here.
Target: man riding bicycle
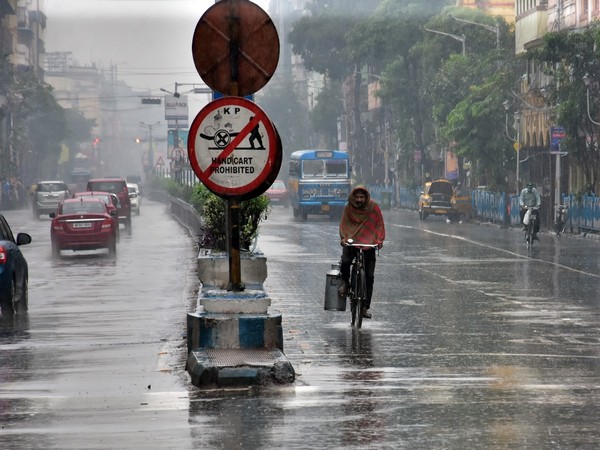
(530, 197)
(362, 222)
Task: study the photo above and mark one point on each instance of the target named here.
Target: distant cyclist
(530, 197)
(362, 222)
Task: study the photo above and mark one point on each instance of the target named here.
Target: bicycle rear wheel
(361, 292)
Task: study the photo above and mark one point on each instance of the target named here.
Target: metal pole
(557, 188)
(233, 205)
(518, 152)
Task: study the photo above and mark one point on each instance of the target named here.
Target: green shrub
(252, 212)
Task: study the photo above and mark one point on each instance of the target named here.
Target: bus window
(295, 169)
(336, 168)
(311, 168)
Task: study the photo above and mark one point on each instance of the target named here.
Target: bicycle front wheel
(361, 292)
(529, 233)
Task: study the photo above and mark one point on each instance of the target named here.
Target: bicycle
(561, 219)
(529, 220)
(357, 292)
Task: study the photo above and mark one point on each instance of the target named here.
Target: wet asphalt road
(475, 342)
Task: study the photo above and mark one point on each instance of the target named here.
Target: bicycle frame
(358, 282)
(531, 225)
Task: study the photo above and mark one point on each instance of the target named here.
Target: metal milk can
(333, 300)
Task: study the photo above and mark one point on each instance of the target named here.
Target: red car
(117, 186)
(278, 193)
(83, 224)
(111, 200)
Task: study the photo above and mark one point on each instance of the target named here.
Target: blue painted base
(207, 330)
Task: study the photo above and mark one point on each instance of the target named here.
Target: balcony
(8, 7)
(530, 27)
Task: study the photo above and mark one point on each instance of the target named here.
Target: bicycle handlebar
(350, 243)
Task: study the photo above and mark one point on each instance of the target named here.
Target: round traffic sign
(235, 47)
(234, 148)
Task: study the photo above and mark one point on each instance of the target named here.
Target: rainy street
(475, 342)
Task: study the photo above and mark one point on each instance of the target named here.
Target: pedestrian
(362, 222)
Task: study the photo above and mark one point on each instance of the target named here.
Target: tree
(321, 42)
(281, 103)
(325, 114)
(567, 57)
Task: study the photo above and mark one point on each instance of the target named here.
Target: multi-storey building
(534, 18)
(503, 8)
(22, 25)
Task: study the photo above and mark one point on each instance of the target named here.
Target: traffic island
(238, 367)
(232, 339)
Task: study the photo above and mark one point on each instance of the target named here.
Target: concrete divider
(208, 330)
(231, 338)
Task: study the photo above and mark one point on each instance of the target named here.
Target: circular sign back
(234, 148)
(235, 47)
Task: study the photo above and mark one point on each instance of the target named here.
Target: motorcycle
(561, 219)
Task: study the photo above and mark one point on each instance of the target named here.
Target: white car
(135, 198)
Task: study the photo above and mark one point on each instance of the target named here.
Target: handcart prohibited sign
(234, 148)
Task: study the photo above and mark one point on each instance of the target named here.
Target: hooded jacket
(364, 225)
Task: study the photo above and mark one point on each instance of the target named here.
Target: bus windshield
(330, 168)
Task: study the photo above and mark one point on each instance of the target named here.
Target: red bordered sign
(234, 148)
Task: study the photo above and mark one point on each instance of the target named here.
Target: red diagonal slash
(234, 143)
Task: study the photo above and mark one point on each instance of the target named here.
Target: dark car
(117, 186)
(83, 223)
(278, 193)
(437, 198)
(47, 195)
(14, 273)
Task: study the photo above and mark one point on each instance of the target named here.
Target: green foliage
(39, 126)
(172, 187)
(321, 41)
(289, 115)
(325, 114)
(212, 208)
(252, 212)
(199, 197)
(567, 58)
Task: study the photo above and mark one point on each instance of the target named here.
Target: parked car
(135, 198)
(83, 224)
(278, 193)
(111, 200)
(14, 273)
(437, 198)
(117, 186)
(47, 195)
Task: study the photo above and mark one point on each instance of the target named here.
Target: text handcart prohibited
(234, 148)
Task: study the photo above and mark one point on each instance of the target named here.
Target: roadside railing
(497, 207)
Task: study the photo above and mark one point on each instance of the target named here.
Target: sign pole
(233, 205)
(236, 50)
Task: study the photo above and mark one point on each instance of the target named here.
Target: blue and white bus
(319, 182)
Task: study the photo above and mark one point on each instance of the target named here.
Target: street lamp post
(462, 38)
(487, 27)
(588, 81)
(196, 89)
(149, 127)
(516, 140)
